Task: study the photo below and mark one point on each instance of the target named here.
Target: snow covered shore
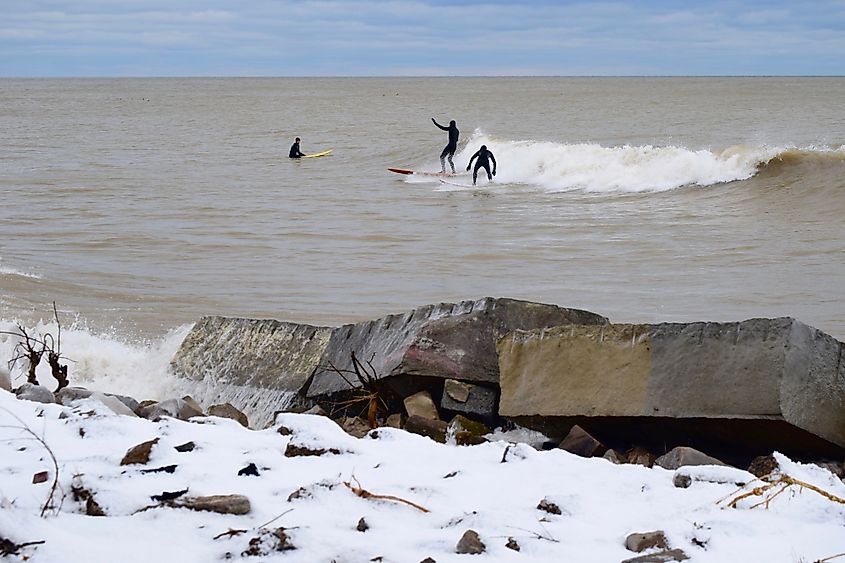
(322, 502)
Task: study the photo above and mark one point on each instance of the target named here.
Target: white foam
(9, 271)
(102, 362)
(558, 167)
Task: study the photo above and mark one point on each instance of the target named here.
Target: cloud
(399, 36)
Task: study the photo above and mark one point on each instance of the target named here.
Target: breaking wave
(559, 167)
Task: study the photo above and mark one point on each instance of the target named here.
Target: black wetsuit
(294, 151)
(483, 155)
(449, 150)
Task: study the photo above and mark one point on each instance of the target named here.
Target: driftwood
(32, 349)
(363, 493)
(773, 485)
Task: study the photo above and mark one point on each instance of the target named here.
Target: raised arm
(444, 128)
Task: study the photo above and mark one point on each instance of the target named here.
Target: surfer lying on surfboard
(294, 150)
(483, 155)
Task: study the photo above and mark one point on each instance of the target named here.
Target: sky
(420, 38)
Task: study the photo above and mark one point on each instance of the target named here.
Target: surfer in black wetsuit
(294, 150)
(451, 147)
(484, 158)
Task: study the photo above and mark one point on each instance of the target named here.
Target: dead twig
(363, 493)
(8, 547)
(231, 533)
(55, 485)
(829, 558)
(774, 485)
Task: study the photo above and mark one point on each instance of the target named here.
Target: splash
(558, 167)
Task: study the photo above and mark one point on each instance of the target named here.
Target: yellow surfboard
(324, 153)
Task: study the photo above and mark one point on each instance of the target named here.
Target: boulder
(478, 401)
(5, 379)
(67, 395)
(176, 408)
(227, 410)
(434, 429)
(354, 426)
(35, 393)
(683, 456)
(639, 542)
(614, 457)
(445, 341)
(128, 401)
(579, 442)
(735, 389)
(470, 543)
(394, 421)
(256, 365)
(420, 404)
(763, 465)
(139, 454)
(640, 456)
(114, 404)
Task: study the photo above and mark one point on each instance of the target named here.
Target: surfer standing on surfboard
(294, 150)
(451, 147)
(483, 155)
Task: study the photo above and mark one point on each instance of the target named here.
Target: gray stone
(580, 442)
(67, 395)
(5, 379)
(739, 389)
(640, 456)
(480, 401)
(470, 543)
(114, 404)
(449, 341)
(222, 504)
(763, 465)
(227, 410)
(434, 429)
(128, 401)
(176, 408)
(394, 421)
(660, 557)
(421, 404)
(247, 359)
(639, 542)
(614, 457)
(354, 426)
(682, 456)
(35, 393)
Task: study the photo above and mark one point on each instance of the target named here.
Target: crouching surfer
(294, 150)
(484, 157)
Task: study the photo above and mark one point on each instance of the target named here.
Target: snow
(461, 487)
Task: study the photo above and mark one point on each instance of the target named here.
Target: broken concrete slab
(734, 390)
(445, 341)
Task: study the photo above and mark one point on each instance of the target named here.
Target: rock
(512, 544)
(640, 542)
(227, 410)
(394, 421)
(581, 443)
(681, 456)
(462, 424)
(421, 404)
(5, 379)
(186, 447)
(128, 401)
(362, 525)
(113, 404)
(139, 454)
(428, 560)
(316, 410)
(614, 457)
(681, 480)
(456, 391)
(294, 450)
(640, 456)
(664, 384)
(35, 393)
(470, 543)
(176, 408)
(434, 429)
(222, 504)
(548, 506)
(763, 465)
(660, 557)
(837, 469)
(68, 395)
(40, 477)
(354, 426)
(464, 438)
(250, 470)
(192, 403)
(688, 474)
(446, 341)
(261, 362)
(480, 401)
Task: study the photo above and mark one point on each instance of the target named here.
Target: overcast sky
(419, 37)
